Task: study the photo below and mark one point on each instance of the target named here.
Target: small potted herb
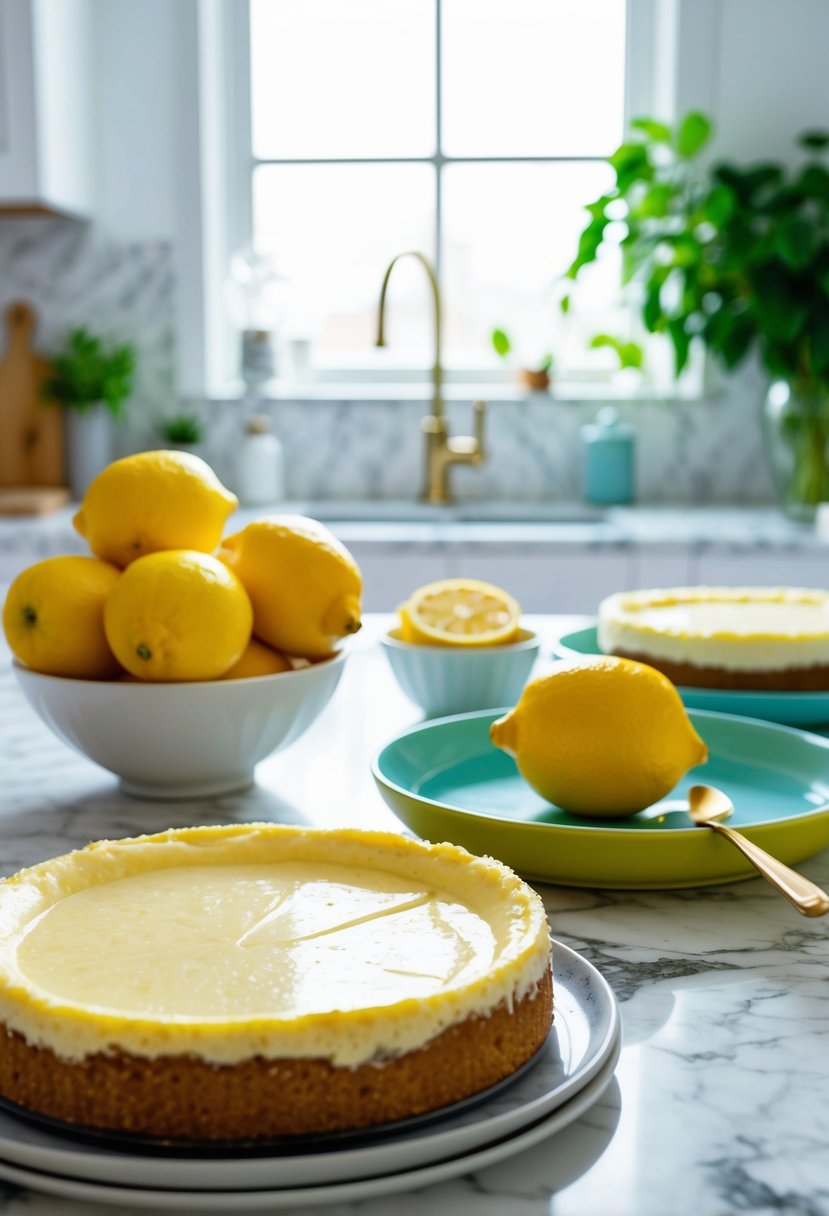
(183, 433)
(536, 377)
(92, 383)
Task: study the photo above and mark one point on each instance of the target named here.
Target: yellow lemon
(178, 615)
(304, 584)
(258, 660)
(53, 617)
(604, 737)
(459, 612)
(153, 501)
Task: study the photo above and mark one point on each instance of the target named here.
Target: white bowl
(459, 679)
(187, 740)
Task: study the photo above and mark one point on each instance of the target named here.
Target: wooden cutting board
(31, 429)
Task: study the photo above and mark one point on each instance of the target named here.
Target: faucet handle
(479, 413)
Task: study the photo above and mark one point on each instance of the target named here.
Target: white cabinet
(760, 567)
(559, 578)
(391, 571)
(46, 87)
(555, 580)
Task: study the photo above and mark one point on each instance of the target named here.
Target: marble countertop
(720, 1102)
(509, 523)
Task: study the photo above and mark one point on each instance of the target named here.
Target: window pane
(333, 230)
(511, 230)
(533, 77)
(331, 79)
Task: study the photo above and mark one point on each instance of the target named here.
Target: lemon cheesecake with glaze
(260, 980)
(770, 638)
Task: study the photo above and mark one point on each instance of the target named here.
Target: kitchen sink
(404, 511)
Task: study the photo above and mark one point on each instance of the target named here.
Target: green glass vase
(796, 435)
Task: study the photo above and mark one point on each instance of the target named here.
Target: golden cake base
(189, 1098)
(689, 675)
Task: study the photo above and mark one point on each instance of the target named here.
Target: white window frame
(670, 60)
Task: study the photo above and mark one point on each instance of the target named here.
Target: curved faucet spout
(441, 451)
(437, 365)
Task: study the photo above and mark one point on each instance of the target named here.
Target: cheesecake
(256, 980)
(753, 638)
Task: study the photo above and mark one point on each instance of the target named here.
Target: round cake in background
(765, 638)
(255, 981)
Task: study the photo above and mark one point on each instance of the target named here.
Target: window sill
(562, 393)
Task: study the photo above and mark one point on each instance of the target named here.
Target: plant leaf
(693, 134)
(796, 241)
(631, 164)
(814, 139)
(657, 132)
(814, 182)
(629, 354)
(778, 303)
(589, 242)
(501, 342)
(656, 201)
(652, 313)
(681, 342)
(718, 205)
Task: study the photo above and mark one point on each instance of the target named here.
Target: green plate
(447, 781)
(791, 708)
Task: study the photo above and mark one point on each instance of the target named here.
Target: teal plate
(790, 708)
(447, 781)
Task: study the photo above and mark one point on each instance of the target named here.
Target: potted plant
(92, 383)
(183, 433)
(735, 257)
(537, 377)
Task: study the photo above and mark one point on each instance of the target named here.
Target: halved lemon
(459, 612)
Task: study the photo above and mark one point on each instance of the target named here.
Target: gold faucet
(441, 450)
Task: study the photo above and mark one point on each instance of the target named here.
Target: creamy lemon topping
(740, 629)
(262, 940)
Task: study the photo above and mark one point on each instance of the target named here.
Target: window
(471, 130)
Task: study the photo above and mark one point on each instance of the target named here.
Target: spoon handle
(806, 896)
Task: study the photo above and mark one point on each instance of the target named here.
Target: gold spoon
(707, 806)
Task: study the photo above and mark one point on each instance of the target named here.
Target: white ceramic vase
(88, 446)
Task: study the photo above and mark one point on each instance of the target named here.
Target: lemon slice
(459, 612)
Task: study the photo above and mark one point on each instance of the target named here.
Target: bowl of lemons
(172, 655)
(459, 646)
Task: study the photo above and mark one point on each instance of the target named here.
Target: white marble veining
(720, 1103)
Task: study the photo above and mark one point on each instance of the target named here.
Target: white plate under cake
(770, 638)
(259, 980)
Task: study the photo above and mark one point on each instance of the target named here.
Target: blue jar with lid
(609, 459)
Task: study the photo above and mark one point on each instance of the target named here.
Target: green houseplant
(85, 374)
(182, 430)
(736, 257)
(92, 382)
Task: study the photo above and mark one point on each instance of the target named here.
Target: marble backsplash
(706, 451)
(700, 452)
(119, 291)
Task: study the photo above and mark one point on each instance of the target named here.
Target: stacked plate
(569, 1074)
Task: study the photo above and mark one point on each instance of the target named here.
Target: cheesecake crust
(184, 1097)
(689, 675)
